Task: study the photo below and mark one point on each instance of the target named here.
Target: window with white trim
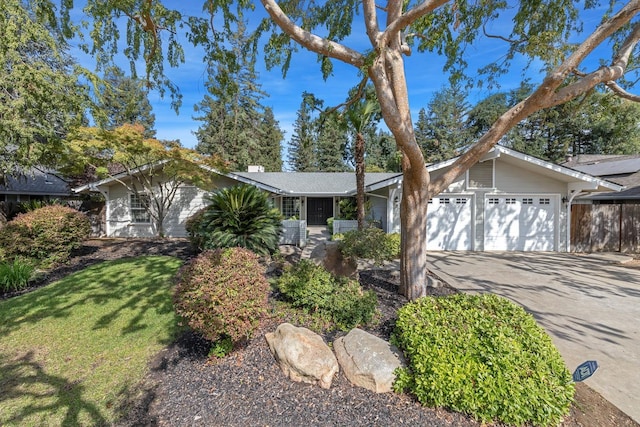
(445, 201)
(510, 201)
(461, 201)
(494, 201)
(291, 207)
(527, 201)
(545, 201)
(139, 204)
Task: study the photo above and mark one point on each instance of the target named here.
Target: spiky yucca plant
(240, 216)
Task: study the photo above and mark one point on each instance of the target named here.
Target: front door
(319, 209)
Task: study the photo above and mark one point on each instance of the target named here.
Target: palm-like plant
(240, 216)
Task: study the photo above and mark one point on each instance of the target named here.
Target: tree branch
(310, 41)
(618, 90)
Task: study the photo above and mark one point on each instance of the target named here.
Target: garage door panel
(449, 223)
(520, 223)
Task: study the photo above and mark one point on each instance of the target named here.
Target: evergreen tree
(331, 143)
(381, 152)
(233, 116)
(270, 149)
(443, 130)
(301, 155)
(124, 101)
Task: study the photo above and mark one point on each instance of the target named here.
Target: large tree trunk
(413, 220)
(360, 196)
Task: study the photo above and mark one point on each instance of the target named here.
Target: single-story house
(31, 185)
(620, 169)
(509, 201)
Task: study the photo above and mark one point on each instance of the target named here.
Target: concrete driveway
(589, 304)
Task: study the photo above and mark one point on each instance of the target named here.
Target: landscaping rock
(303, 355)
(329, 256)
(368, 361)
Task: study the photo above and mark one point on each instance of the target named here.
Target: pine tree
(270, 151)
(301, 156)
(124, 101)
(331, 143)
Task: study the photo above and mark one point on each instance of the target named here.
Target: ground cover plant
(482, 355)
(71, 352)
(312, 288)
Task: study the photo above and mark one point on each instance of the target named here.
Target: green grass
(73, 351)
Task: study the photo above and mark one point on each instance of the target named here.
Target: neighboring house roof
(37, 182)
(621, 169)
(315, 183)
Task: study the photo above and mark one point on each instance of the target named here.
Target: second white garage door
(449, 223)
(520, 222)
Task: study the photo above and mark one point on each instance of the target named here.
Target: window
(527, 201)
(445, 201)
(510, 201)
(494, 201)
(291, 207)
(139, 204)
(461, 201)
(545, 201)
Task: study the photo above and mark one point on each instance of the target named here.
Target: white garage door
(520, 222)
(449, 223)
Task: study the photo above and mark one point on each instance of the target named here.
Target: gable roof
(315, 183)
(36, 181)
(528, 162)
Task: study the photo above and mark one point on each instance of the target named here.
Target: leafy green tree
(240, 216)
(123, 100)
(381, 152)
(155, 169)
(40, 95)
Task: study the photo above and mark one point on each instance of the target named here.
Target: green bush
(311, 287)
(15, 275)
(222, 293)
(370, 243)
(240, 216)
(482, 355)
(48, 234)
(192, 226)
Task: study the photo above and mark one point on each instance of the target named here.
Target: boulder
(303, 355)
(368, 361)
(328, 255)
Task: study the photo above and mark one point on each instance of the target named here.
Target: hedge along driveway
(71, 352)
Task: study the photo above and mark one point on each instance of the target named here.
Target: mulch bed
(186, 387)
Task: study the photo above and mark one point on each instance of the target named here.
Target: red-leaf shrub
(48, 234)
(222, 293)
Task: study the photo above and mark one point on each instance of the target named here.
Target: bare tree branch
(618, 90)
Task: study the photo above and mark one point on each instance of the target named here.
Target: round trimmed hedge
(222, 294)
(482, 355)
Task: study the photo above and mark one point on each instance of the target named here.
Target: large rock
(368, 361)
(328, 255)
(303, 355)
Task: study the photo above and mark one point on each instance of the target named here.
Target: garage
(449, 223)
(521, 222)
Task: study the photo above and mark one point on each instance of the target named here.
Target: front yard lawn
(73, 351)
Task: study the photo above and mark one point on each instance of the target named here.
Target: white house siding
(187, 201)
(379, 202)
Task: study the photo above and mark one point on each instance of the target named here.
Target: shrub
(240, 216)
(15, 275)
(370, 243)
(193, 226)
(222, 293)
(311, 287)
(484, 356)
(48, 234)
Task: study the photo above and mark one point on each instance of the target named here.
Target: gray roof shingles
(319, 183)
(36, 182)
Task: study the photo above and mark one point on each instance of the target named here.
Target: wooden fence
(605, 228)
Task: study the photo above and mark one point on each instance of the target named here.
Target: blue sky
(424, 76)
